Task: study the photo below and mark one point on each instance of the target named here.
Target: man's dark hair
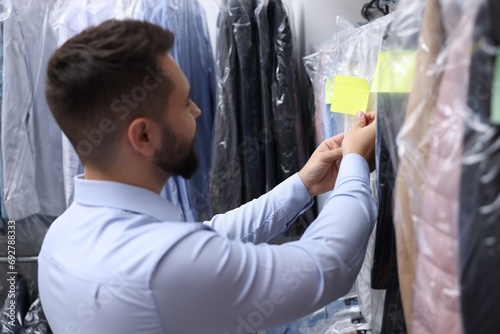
(102, 79)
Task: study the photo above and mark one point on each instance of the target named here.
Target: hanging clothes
(257, 126)
(354, 52)
(412, 143)
(436, 271)
(226, 188)
(321, 67)
(390, 104)
(239, 95)
(266, 77)
(31, 144)
(283, 90)
(479, 228)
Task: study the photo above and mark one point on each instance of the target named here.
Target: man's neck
(143, 180)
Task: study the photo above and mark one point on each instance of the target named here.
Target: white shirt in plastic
(31, 139)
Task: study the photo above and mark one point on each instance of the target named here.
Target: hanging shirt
(31, 139)
(120, 260)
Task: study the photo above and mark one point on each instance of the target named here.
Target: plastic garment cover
(33, 190)
(255, 132)
(371, 300)
(352, 52)
(226, 176)
(266, 75)
(385, 266)
(15, 307)
(247, 113)
(31, 139)
(436, 291)
(35, 321)
(283, 89)
(192, 52)
(384, 271)
(321, 66)
(305, 96)
(479, 228)
(341, 316)
(5, 9)
(290, 124)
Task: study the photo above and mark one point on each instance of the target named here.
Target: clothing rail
(21, 259)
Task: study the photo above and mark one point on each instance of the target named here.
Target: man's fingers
(338, 139)
(371, 116)
(372, 125)
(373, 128)
(360, 120)
(334, 142)
(331, 155)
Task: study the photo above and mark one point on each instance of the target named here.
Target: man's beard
(176, 156)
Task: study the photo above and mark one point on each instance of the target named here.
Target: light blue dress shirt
(120, 261)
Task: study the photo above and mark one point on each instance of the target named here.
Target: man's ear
(144, 136)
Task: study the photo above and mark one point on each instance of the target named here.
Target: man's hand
(361, 138)
(321, 170)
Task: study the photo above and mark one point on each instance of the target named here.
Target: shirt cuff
(353, 166)
(293, 197)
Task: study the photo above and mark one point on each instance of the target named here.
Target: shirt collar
(126, 197)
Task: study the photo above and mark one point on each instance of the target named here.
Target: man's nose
(195, 110)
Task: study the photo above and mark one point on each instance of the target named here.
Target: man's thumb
(360, 120)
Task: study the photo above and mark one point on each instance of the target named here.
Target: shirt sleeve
(210, 284)
(266, 217)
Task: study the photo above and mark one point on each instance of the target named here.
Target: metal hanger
(374, 4)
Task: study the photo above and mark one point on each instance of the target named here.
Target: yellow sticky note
(350, 95)
(395, 71)
(329, 90)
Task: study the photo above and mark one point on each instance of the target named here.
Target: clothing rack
(21, 259)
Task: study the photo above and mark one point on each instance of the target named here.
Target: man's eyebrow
(189, 95)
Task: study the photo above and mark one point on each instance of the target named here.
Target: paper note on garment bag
(395, 71)
(350, 95)
(495, 100)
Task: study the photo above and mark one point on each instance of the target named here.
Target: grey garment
(31, 139)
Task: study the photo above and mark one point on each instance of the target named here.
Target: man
(120, 260)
